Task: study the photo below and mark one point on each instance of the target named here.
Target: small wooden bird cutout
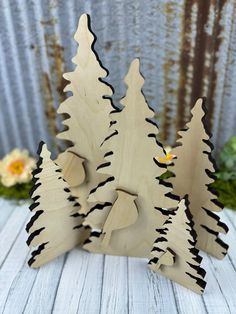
(73, 168)
(123, 213)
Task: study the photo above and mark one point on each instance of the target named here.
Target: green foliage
(227, 192)
(227, 161)
(225, 185)
(17, 192)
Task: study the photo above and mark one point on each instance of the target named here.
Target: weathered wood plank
(231, 216)
(212, 298)
(80, 285)
(44, 290)
(186, 300)
(114, 297)
(222, 282)
(10, 231)
(15, 261)
(82, 282)
(6, 209)
(20, 287)
(226, 278)
(148, 292)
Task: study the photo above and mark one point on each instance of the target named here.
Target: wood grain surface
(85, 283)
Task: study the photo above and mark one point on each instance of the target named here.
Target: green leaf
(227, 192)
(17, 192)
(227, 161)
(166, 175)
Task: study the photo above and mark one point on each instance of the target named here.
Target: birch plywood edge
(127, 220)
(174, 254)
(194, 172)
(56, 227)
(88, 123)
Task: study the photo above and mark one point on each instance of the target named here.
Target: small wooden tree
(88, 123)
(193, 169)
(128, 217)
(56, 227)
(174, 254)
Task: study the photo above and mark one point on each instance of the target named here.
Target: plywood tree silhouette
(193, 169)
(88, 123)
(56, 227)
(174, 254)
(128, 217)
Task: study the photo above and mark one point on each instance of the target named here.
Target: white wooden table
(84, 283)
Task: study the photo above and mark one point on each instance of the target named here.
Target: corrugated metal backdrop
(187, 49)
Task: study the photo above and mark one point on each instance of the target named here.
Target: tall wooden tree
(130, 196)
(56, 227)
(193, 169)
(174, 254)
(88, 110)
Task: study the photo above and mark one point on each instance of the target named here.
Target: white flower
(16, 167)
(168, 158)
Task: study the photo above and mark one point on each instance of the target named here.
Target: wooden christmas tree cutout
(56, 227)
(127, 212)
(104, 190)
(174, 254)
(193, 169)
(88, 109)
